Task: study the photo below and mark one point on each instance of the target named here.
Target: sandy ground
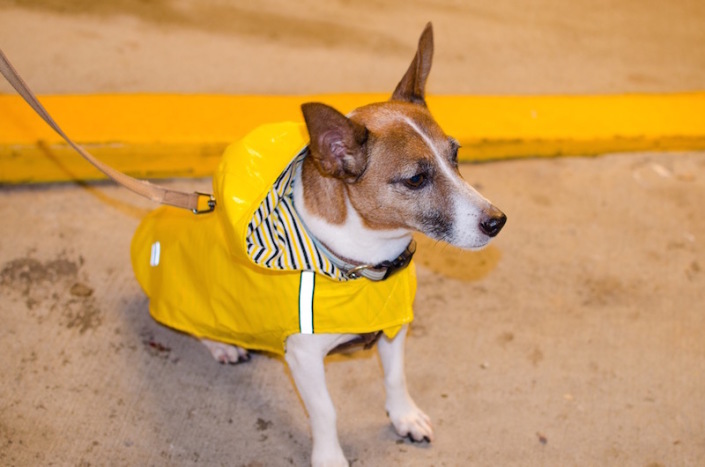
(576, 338)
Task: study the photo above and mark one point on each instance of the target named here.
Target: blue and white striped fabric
(276, 237)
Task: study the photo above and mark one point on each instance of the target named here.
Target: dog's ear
(337, 143)
(412, 86)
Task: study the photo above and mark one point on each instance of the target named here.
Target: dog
(349, 201)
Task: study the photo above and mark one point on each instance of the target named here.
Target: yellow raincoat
(207, 275)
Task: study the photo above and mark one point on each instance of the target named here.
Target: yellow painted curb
(153, 136)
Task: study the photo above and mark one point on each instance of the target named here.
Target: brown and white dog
(371, 179)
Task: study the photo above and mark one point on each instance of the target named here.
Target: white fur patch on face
(468, 205)
(351, 239)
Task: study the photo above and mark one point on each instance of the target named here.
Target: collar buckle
(384, 269)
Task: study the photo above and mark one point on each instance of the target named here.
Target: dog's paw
(330, 458)
(410, 422)
(226, 353)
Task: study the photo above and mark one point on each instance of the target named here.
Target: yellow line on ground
(158, 135)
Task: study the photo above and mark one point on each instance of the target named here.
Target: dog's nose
(494, 222)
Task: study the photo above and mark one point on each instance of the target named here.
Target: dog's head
(399, 168)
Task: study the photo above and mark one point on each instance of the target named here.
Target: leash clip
(356, 272)
(210, 203)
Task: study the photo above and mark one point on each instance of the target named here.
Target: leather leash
(160, 194)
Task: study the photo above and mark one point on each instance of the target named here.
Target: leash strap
(180, 199)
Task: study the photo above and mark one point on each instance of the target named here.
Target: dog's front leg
(304, 355)
(407, 418)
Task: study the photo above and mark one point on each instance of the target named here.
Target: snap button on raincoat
(204, 275)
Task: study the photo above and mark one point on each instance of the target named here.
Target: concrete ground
(576, 338)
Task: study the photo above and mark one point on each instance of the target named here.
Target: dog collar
(373, 272)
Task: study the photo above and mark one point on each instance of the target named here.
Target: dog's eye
(415, 182)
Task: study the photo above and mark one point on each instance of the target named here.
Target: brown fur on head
(338, 144)
(339, 148)
(404, 191)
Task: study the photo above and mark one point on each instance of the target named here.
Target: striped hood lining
(276, 237)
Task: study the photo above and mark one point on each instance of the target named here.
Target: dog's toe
(226, 353)
(410, 422)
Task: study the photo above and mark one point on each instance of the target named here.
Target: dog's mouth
(480, 242)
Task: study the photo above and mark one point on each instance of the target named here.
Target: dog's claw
(411, 438)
